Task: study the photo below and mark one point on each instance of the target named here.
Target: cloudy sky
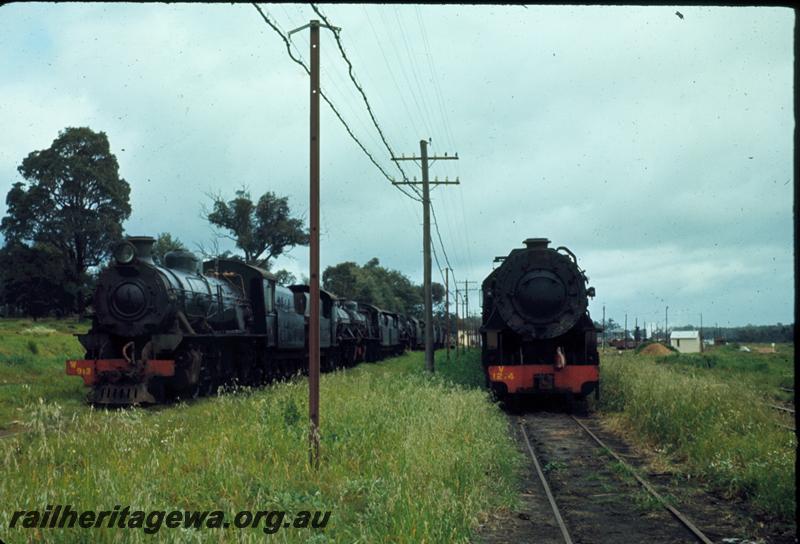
(658, 148)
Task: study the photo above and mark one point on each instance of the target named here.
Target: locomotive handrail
(574, 259)
(568, 252)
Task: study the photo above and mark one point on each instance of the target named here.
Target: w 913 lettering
(182, 329)
(538, 337)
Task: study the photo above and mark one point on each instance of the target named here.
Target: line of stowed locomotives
(180, 331)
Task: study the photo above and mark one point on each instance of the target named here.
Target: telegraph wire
(409, 87)
(435, 80)
(380, 131)
(439, 235)
(374, 121)
(439, 266)
(400, 93)
(361, 91)
(334, 79)
(330, 58)
(426, 112)
(322, 94)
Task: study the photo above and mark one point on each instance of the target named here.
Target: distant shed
(686, 341)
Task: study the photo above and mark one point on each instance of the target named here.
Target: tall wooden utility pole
(604, 327)
(465, 345)
(313, 317)
(466, 311)
(625, 331)
(458, 340)
(701, 331)
(426, 236)
(447, 308)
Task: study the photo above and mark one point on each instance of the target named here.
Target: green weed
(713, 419)
(406, 457)
(554, 466)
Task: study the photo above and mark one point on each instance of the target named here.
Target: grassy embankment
(405, 458)
(707, 413)
(32, 356)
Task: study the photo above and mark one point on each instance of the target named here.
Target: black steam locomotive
(538, 336)
(179, 330)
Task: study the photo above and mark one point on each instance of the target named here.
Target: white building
(686, 341)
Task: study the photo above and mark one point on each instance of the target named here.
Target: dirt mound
(656, 349)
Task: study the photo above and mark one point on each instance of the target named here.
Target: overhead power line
(372, 117)
(361, 91)
(327, 101)
(439, 235)
(436, 258)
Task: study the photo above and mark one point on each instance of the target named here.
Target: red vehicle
(538, 337)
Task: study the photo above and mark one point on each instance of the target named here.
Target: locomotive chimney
(536, 243)
(144, 247)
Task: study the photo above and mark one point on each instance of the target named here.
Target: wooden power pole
(457, 338)
(447, 308)
(426, 236)
(313, 318)
(467, 327)
(604, 327)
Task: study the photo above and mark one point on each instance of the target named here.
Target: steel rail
(546, 487)
(688, 524)
(781, 408)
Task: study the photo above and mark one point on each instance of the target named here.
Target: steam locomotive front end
(538, 337)
(142, 313)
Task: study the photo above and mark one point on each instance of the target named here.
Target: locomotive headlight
(124, 252)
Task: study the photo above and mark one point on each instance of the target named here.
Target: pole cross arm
(314, 23)
(434, 182)
(444, 158)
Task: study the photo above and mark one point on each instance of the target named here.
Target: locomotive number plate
(502, 374)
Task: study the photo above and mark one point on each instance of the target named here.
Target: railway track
(596, 497)
(781, 408)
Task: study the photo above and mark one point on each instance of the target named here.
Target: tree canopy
(164, 244)
(73, 204)
(375, 284)
(33, 280)
(262, 230)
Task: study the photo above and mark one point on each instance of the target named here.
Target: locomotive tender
(538, 336)
(161, 332)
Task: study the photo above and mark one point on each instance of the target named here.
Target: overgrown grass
(405, 458)
(32, 356)
(712, 421)
(463, 367)
(767, 372)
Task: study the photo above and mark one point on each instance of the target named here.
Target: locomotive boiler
(538, 336)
